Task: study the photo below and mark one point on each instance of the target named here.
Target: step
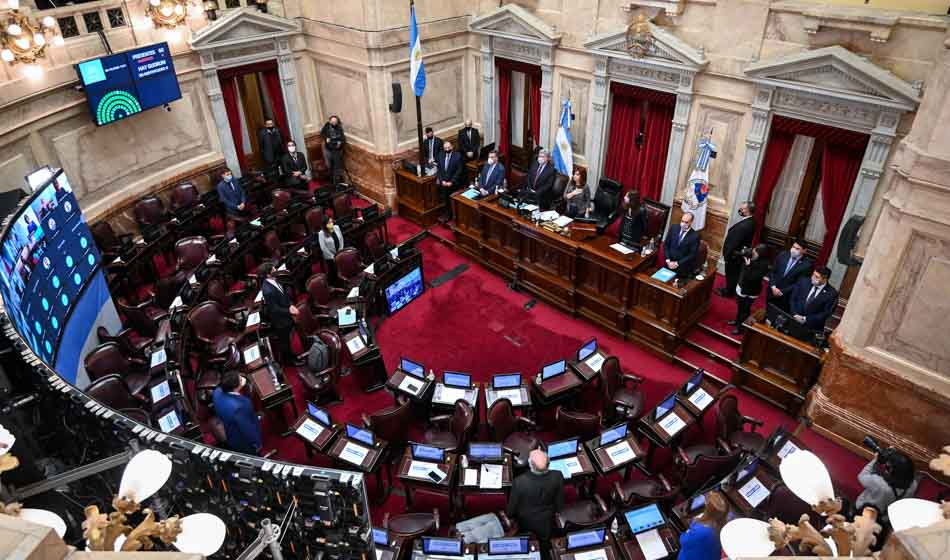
(703, 341)
(693, 359)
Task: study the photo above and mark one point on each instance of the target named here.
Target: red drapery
(535, 92)
(776, 154)
(229, 94)
(503, 69)
(276, 93)
(839, 168)
(652, 164)
(504, 123)
(622, 151)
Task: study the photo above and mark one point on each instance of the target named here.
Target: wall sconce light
(167, 13)
(25, 40)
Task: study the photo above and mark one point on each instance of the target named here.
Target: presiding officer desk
(581, 274)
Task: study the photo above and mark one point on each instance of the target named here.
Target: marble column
(288, 85)
(547, 91)
(597, 122)
(674, 154)
(488, 92)
(220, 114)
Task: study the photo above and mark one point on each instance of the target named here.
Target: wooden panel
(418, 198)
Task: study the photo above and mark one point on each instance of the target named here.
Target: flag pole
(418, 111)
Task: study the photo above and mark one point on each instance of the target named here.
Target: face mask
(228, 177)
(491, 161)
(795, 253)
(541, 161)
(291, 149)
(815, 283)
(741, 213)
(683, 226)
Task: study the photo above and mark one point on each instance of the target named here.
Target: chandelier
(639, 37)
(23, 39)
(167, 13)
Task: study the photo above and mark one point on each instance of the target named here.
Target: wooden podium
(775, 366)
(418, 198)
(660, 314)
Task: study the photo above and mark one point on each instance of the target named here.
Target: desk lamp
(746, 538)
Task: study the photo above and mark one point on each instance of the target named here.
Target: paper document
(490, 476)
(282, 268)
(310, 430)
(787, 450)
(700, 399)
(158, 357)
(568, 467)
(192, 279)
(253, 319)
(256, 222)
(599, 554)
(355, 345)
(421, 469)
(754, 492)
(259, 297)
(302, 251)
(252, 354)
(369, 269)
(671, 424)
(529, 207)
(176, 303)
(346, 316)
(471, 477)
(450, 394)
(354, 293)
(410, 385)
(513, 395)
(595, 361)
(549, 215)
(621, 453)
(354, 453)
(563, 221)
(623, 249)
(651, 544)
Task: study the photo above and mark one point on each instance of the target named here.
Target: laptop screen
(583, 539)
(380, 537)
(665, 406)
(694, 381)
(644, 518)
(562, 448)
(506, 380)
(513, 545)
(359, 434)
(485, 451)
(749, 469)
(412, 368)
(169, 422)
(457, 379)
(161, 391)
(587, 349)
(553, 370)
(613, 434)
(436, 545)
(319, 414)
(427, 453)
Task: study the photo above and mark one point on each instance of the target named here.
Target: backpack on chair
(318, 356)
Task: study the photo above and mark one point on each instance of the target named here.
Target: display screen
(613, 434)
(401, 292)
(553, 370)
(698, 502)
(749, 469)
(169, 421)
(161, 391)
(694, 381)
(39, 177)
(124, 84)
(428, 453)
(585, 538)
(514, 545)
(642, 519)
(456, 379)
(435, 545)
(359, 434)
(319, 414)
(562, 448)
(485, 451)
(587, 349)
(380, 537)
(412, 368)
(48, 257)
(506, 380)
(665, 406)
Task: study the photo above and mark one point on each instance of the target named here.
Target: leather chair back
(184, 195)
(784, 505)
(569, 423)
(167, 288)
(218, 292)
(706, 469)
(342, 209)
(273, 246)
(728, 417)
(657, 214)
(463, 420)
(584, 514)
(280, 199)
(409, 526)
(610, 377)
(607, 197)
(348, 264)
(106, 359)
(315, 218)
(207, 321)
(103, 335)
(334, 346)
(517, 177)
(112, 391)
(190, 252)
(642, 492)
(149, 211)
(307, 325)
(392, 424)
(502, 421)
(137, 316)
(374, 245)
(319, 289)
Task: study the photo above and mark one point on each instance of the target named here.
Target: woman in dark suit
(578, 195)
(634, 221)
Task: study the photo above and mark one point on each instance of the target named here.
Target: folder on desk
(651, 544)
(471, 194)
(663, 275)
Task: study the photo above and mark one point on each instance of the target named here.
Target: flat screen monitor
(38, 178)
(694, 381)
(481, 452)
(359, 434)
(160, 392)
(509, 545)
(404, 290)
(412, 368)
(457, 379)
(169, 421)
(563, 448)
(583, 539)
(427, 452)
(506, 380)
(613, 434)
(644, 518)
(319, 414)
(554, 369)
(747, 470)
(441, 546)
(665, 406)
(587, 349)
(786, 323)
(380, 537)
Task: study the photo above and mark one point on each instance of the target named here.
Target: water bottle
(537, 379)
(614, 526)
(464, 461)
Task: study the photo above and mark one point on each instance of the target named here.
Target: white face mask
(795, 253)
(491, 161)
(291, 149)
(542, 161)
(815, 283)
(228, 178)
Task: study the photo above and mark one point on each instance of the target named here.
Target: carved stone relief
(663, 79)
(821, 107)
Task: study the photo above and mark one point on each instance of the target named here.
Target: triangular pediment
(837, 72)
(514, 22)
(668, 49)
(243, 26)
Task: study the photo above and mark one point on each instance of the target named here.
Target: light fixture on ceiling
(24, 40)
(640, 40)
(167, 13)
(211, 9)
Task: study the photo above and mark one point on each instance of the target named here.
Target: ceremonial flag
(417, 72)
(697, 186)
(563, 153)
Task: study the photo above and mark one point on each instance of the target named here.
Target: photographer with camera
(333, 141)
(887, 478)
(749, 286)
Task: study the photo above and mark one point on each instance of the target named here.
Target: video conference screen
(124, 84)
(404, 290)
(48, 259)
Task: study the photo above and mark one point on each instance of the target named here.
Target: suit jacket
(432, 149)
(454, 171)
(739, 235)
(271, 144)
(542, 185)
(750, 278)
(683, 252)
(816, 311)
(470, 145)
(782, 281)
(333, 136)
(240, 421)
(533, 501)
(289, 164)
(492, 179)
(231, 196)
(327, 246)
(277, 305)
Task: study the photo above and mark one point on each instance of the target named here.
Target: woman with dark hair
(701, 540)
(634, 221)
(578, 195)
(333, 141)
(887, 478)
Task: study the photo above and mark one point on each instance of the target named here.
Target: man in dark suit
(236, 412)
(470, 141)
(812, 302)
(450, 175)
(539, 184)
(682, 246)
(278, 308)
(431, 146)
(293, 166)
(739, 235)
(788, 269)
(231, 195)
(271, 144)
(749, 284)
(492, 176)
(536, 496)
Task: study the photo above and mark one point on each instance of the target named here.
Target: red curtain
(652, 165)
(229, 93)
(622, 152)
(276, 94)
(504, 104)
(503, 69)
(776, 154)
(839, 169)
(830, 134)
(535, 93)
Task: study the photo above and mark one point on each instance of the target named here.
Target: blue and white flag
(563, 153)
(417, 72)
(697, 186)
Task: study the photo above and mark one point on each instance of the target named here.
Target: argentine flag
(417, 72)
(563, 153)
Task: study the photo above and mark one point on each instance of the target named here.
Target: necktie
(788, 267)
(811, 295)
(233, 187)
(540, 169)
(447, 161)
(682, 235)
(490, 170)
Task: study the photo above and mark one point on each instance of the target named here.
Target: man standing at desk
(739, 236)
(535, 497)
(231, 195)
(814, 301)
(450, 175)
(492, 176)
(236, 412)
(277, 308)
(540, 181)
(470, 142)
(788, 269)
(431, 146)
(681, 246)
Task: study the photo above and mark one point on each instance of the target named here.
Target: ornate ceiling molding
(668, 50)
(514, 22)
(671, 7)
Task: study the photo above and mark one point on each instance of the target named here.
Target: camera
(872, 444)
(746, 252)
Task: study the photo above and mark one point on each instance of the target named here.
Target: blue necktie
(791, 263)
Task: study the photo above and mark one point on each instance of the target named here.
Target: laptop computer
(587, 349)
(424, 452)
(644, 518)
(439, 546)
(485, 452)
(664, 407)
(508, 546)
(360, 435)
(412, 368)
(695, 381)
(611, 435)
(553, 370)
(380, 537)
(584, 539)
(318, 414)
(506, 381)
(563, 448)
(457, 379)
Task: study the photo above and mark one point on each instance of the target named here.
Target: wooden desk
(710, 388)
(734, 493)
(322, 441)
(421, 397)
(371, 462)
(630, 547)
(559, 548)
(273, 396)
(584, 370)
(418, 199)
(492, 395)
(475, 489)
(774, 458)
(775, 366)
(412, 483)
(602, 459)
(555, 388)
(660, 314)
(657, 435)
(471, 397)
